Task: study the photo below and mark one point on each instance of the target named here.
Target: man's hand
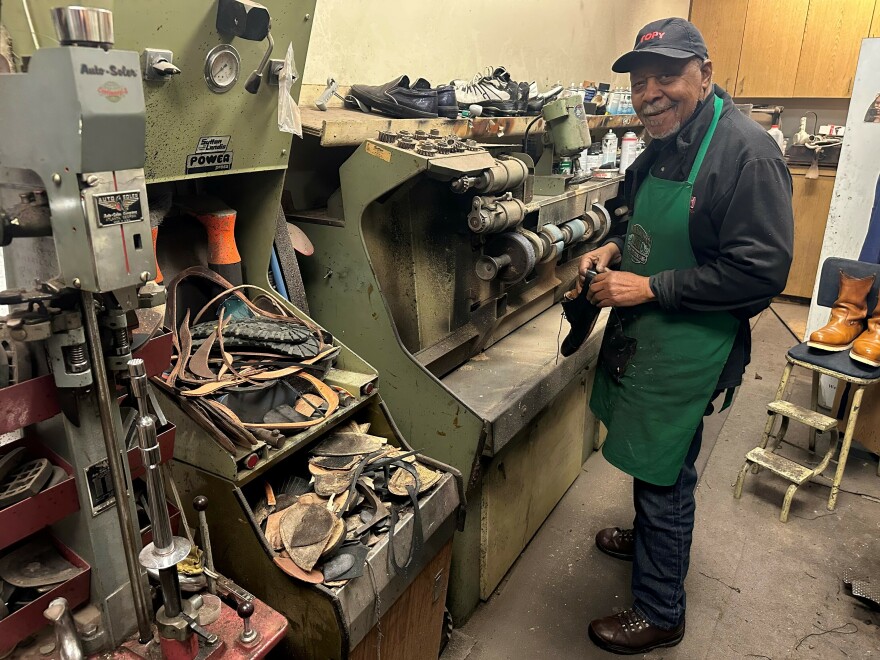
(619, 289)
(598, 260)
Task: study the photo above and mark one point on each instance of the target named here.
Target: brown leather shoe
(847, 315)
(866, 348)
(628, 633)
(616, 542)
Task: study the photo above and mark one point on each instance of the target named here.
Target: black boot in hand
(581, 315)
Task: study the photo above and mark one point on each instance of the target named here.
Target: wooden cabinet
(771, 48)
(875, 23)
(786, 48)
(722, 25)
(811, 201)
(830, 49)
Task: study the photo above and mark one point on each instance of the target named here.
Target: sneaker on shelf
(491, 88)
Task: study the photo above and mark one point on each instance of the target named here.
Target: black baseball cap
(670, 37)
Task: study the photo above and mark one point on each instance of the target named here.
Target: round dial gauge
(222, 66)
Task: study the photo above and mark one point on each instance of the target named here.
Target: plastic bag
(289, 118)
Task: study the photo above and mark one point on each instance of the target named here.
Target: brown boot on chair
(866, 348)
(847, 315)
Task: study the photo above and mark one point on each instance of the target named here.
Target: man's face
(666, 90)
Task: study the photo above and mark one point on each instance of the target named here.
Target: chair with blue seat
(838, 365)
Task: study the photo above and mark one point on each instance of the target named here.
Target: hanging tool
(219, 221)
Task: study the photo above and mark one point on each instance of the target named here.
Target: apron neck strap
(704, 145)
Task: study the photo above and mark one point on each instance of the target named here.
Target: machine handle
(252, 86)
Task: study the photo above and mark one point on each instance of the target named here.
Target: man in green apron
(709, 242)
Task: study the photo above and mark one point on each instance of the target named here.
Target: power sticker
(211, 155)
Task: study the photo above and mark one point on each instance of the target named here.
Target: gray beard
(667, 134)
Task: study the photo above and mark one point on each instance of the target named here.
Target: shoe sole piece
(863, 360)
(616, 555)
(448, 111)
(392, 109)
(828, 347)
(623, 650)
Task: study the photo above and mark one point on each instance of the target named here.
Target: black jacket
(741, 225)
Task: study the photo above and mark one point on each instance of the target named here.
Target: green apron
(653, 413)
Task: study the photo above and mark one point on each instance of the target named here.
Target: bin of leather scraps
(358, 519)
(252, 374)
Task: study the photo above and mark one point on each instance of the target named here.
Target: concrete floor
(757, 588)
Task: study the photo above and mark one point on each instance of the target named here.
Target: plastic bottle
(609, 149)
(640, 147)
(614, 102)
(777, 135)
(801, 136)
(627, 150)
(589, 92)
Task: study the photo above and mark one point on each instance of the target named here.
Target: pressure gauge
(222, 66)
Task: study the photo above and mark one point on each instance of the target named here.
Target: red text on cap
(653, 35)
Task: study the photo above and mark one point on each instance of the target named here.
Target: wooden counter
(340, 127)
(811, 201)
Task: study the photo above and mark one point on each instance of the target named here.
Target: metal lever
(200, 504)
(252, 86)
(248, 634)
(209, 637)
(165, 68)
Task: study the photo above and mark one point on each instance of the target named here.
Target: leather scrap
(402, 479)
(294, 571)
(304, 525)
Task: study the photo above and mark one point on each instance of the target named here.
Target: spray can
(627, 150)
(609, 148)
(564, 166)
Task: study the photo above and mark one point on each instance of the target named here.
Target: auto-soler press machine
(72, 142)
(441, 260)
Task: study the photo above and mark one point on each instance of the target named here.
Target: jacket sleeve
(755, 244)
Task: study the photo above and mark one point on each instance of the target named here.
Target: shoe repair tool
(26, 480)
(166, 550)
(332, 90)
(36, 564)
(67, 641)
(11, 460)
(200, 504)
(219, 221)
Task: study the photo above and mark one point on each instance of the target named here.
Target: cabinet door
(830, 51)
(722, 25)
(771, 47)
(875, 23)
(810, 202)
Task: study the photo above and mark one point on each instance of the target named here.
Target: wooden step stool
(837, 365)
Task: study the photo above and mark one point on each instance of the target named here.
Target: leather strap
(328, 394)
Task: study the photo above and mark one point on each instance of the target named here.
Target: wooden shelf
(340, 127)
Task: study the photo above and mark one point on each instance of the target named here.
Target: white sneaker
(487, 89)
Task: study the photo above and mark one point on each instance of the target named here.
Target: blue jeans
(664, 525)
